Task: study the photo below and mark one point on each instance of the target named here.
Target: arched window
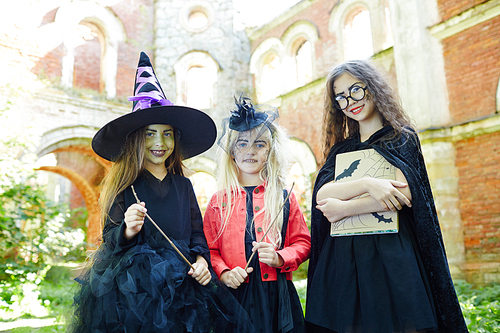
(77, 19)
(88, 48)
(303, 61)
(198, 92)
(389, 39)
(197, 15)
(270, 80)
(197, 19)
(298, 55)
(358, 34)
(196, 79)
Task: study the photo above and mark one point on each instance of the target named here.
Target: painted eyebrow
(349, 89)
(152, 130)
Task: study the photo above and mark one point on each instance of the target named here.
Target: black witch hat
(196, 129)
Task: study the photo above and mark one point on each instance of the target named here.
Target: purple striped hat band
(146, 99)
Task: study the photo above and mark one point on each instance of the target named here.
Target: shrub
(480, 306)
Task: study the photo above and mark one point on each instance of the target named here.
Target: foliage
(19, 296)
(301, 272)
(35, 233)
(39, 295)
(50, 295)
(301, 287)
(480, 306)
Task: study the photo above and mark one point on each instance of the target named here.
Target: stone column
(419, 62)
(440, 162)
(422, 86)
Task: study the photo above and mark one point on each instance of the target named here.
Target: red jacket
(228, 251)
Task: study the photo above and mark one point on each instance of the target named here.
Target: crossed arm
(333, 199)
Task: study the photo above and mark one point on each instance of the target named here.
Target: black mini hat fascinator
(246, 117)
(196, 129)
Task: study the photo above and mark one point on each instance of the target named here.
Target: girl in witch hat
(251, 202)
(137, 281)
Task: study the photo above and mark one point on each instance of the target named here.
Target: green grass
(46, 329)
(480, 305)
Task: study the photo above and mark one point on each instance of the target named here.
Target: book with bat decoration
(358, 164)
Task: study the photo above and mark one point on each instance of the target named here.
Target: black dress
(142, 285)
(273, 306)
(373, 283)
(383, 283)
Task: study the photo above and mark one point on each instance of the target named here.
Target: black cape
(403, 152)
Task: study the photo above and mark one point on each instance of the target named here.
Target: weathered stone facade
(217, 46)
(442, 56)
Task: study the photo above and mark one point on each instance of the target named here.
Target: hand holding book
(386, 193)
(365, 197)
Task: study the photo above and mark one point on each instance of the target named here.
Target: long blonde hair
(274, 172)
(128, 166)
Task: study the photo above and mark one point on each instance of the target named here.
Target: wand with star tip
(269, 227)
(161, 231)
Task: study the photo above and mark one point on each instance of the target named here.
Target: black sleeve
(114, 228)
(198, 244)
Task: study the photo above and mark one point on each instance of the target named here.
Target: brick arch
(270, 46)
(87, 151)
(301, 29)
(90, 195)
(77, 140)
(298, 33)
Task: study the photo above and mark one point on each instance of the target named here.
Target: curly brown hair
(337, 127)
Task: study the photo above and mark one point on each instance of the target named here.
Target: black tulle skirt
(148, 290)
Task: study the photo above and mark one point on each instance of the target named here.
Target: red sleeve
(211, 225)
(298, 242)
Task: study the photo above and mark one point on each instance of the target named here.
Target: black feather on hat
(246, 117)
(197, 130)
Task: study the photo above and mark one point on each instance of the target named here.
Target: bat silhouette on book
(349, 171)
(381, 218)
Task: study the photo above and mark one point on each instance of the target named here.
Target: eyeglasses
(356, 93)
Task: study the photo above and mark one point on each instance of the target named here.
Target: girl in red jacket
(251, 201)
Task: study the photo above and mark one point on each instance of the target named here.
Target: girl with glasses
(376, 282)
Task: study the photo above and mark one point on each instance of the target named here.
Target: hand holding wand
(270, 225)
(161, 231)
